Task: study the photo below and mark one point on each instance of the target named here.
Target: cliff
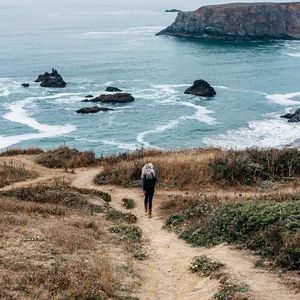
(244, 21)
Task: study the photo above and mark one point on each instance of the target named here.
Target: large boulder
(51, 80)
(92, 110)
(25, 85)
(112, 89)
(201, 88)
(244, 21)
(114, 98)
(292, 118)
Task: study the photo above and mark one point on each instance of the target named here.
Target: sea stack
(51, 80)
(241, 21)
(201, 88)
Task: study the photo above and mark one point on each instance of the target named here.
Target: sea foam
(19, 114)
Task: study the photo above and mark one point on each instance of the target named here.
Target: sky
(163, 4)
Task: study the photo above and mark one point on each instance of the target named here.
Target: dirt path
(165, 274)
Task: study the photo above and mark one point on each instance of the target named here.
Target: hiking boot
(146, 210)
(150, 213)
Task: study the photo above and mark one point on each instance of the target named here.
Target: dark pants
(149, 197)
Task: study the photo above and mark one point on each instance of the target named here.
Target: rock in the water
(25, 85)
(89, 96)
(51, 80)
(112, 89)
(172, 10)
(288, 116)
(115, 98)
(245, 21)
(292, 118)
(92, 110)
(201, 88)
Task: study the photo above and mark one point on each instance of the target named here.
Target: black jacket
(148, 184)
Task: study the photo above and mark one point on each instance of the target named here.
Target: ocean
(95, 44)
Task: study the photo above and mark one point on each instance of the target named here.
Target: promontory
(245, 21)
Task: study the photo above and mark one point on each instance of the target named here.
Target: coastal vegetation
(268, 226)
(67, 158)
(13, 172)
(193, 169)
(52, 248)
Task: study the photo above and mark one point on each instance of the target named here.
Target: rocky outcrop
(172, 10)
(89, 96)
(244, 21)
(25, 85)
(292, 118)
(201, 88)
(51, 80)
(115, 98)
(92, 110)
(112, 89)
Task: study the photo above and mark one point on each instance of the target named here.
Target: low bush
(204, 266)
(62, 195)
(128, 203)
(253, 165)
(271, 228)
(67, 158)
(20, 151)
(116, 215)
(131, 236)
(12, 172)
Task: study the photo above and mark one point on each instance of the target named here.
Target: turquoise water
(94, 44)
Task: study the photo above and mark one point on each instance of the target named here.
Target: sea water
(95, 44)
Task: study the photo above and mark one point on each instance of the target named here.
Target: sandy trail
(165, 274)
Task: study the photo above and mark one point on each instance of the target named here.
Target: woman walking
(149, 180)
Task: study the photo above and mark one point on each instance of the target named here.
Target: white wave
(4, 92)
(284, 99)
(201, 114)
(265, 133)
(19, 115)
(128, 31)
(141, 136)
(120, 145)
(294, 54)
(221, 87)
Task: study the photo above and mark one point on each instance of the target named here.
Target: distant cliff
(239, 21)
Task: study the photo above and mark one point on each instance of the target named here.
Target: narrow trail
(165, 274)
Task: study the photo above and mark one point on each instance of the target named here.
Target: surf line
(18, 114)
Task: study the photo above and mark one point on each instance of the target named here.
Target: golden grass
(13, 172)
(197, 168)
(52, 251)
(21, 151)
(180, 169)
(67, 158)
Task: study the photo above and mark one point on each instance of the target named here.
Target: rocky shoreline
(244, 21)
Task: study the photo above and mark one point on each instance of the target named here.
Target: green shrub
(68, 158)
(62, 195)
(204, 266)
(116, 215)
(253, 165)
(128, 203)
(266, 227)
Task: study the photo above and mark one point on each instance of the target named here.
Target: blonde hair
(148, 171)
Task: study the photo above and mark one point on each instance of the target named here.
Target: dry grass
(193, 169)
(180, 169)
(67, 158)
(13, 172)
(20, 151)
(49, 250)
